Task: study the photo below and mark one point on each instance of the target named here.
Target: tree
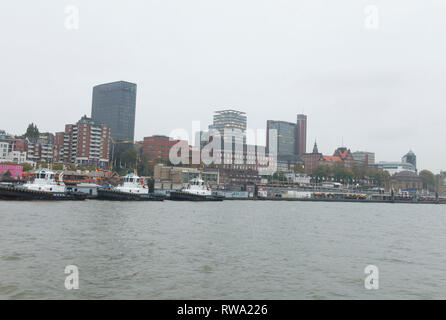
(57, 166)
(27, 167)
(321, 171)
(428, 179)
(359, 171)
(129, 156)
(341, 173)
(144, 167)
(32, 131)
(299, 167)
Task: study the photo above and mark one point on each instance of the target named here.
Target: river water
(228, 250)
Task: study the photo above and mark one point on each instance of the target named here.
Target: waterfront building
(286, 139)
(58, 147)
(157, 148)
(230, 120)
(395, 167)
(364, 157)
(201, 139)
(87, 143)
(312, 160)
(411, 158)
(114, 105)
(40, 149)
(297, 178)
(251, 157)
(301, 135)
(405, 182)
(345, 155)
(238, 177)
(8, 153)
(169, 177)
(15, 170)
(4, 146)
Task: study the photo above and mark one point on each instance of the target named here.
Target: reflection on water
(229, 250)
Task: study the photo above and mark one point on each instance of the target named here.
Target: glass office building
(286, 138)
(114, 105)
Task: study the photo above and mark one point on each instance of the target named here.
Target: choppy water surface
(229, 250)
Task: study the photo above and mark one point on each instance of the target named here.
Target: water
(228, 250)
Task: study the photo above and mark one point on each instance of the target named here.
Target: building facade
(411, 158)
(230, 120)
(157, 148)
(114, 105)
(364, 157)
(395, 167)
(301, 135)
(286, 139)
(40, 149)
(341, 155)
(87, 143)
(405, 182)
(15, 170)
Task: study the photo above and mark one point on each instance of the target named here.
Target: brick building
(157, 148)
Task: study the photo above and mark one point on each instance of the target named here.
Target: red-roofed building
(345, 155)
(315, 159)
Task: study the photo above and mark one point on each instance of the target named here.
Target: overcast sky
(380, 90)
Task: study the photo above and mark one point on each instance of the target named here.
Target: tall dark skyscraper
(301, 135)
(114, 105)
(286, 139)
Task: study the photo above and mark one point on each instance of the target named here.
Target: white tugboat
(197, 190)
(132, 184)
(131, 189)
(43, 187)
(45, 180)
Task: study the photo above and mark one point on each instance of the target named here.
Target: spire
(315, 150)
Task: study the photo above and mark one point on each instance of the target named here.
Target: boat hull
(113, 195)
(185, 196)
(13, 193)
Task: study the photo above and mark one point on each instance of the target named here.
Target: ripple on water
(236, 249)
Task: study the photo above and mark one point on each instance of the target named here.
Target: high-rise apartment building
(87, 143)
(230, 120)
(301, 135)
(114, 104)
(58, 147)
(41, 149)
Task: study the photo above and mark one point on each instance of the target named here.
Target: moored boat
(43, 187)
(130, 190)
(195, 191)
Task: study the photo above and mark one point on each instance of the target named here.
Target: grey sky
(379, 90)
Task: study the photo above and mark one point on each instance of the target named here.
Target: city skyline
(371, 89)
